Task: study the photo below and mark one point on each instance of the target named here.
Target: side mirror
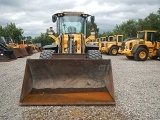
(54, 18)
(92, 19)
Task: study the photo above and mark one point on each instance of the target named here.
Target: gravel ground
(137, 94)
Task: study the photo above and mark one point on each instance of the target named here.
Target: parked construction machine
(18, 50)
(113, 44)
(145, 45)
(69, 71)
(104, 40)
(29, 46)
(7, 53)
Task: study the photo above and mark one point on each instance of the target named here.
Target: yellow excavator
(145, 45)
(69, 71)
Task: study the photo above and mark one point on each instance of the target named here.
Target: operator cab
(69, 23)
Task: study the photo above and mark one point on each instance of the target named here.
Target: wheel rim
(142, 55)
(114, 51)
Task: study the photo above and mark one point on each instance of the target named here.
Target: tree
(12, 31)
(44, 39)
(1, 31)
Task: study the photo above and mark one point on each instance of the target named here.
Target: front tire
(94, 54)
(141, 54)
(46, 54)
(113, 51)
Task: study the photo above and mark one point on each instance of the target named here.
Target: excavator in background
(113, 44)
(69, 71)
(146, 44)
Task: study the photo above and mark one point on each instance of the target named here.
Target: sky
(35, 16)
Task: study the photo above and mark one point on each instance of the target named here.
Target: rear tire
(94, 54)
(130, 57)
(141, 54)
(113, 51)
(46, 54)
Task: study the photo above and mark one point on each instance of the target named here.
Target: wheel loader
(30, 47)
(97, 43)
(104, 40)
(69, 71)
(113, 44)
(143, 46)
(6, 54)
(18, 50)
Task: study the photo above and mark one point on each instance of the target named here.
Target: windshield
(120, 38)
(140, 35)
(110, 38)
(72, 24)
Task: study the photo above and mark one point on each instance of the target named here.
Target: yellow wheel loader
(7, 52)
(144, 46)
(18, 50)
(113, 44)
(69, 71)
(97, 43)
(29, 46)
(104, 40)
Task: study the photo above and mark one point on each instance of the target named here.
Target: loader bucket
(7, 55)
(17, 53)
(22, 51)
(67, 82)
(29, 50)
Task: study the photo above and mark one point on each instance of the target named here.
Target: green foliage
(128, 28)
(44, 39)
(10, 30)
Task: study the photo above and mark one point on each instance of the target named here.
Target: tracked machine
(69, 71)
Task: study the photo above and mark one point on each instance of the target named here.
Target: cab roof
(71, 13)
